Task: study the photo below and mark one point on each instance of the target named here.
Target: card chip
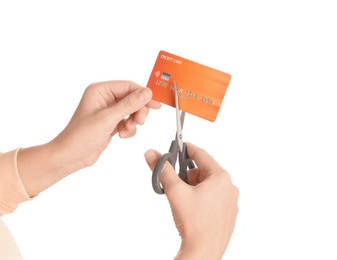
(165, 76)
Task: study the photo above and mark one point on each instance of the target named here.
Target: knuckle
(166, 167)
(224, 177)
(90, 88)
(127, 102)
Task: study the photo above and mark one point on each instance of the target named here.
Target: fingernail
(144, 94)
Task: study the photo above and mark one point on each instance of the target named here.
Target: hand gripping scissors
(177, 148)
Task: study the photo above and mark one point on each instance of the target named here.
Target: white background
(275, 132)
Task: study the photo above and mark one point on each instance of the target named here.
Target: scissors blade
(179, 119)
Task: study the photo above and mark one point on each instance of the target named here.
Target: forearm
(40, 167)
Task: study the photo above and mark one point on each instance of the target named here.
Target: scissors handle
(171, 157)
(157, 170)
(184, 164)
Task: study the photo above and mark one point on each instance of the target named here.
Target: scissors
(177, 149)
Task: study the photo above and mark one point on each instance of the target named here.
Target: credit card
(201, 89)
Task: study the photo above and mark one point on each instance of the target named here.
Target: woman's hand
(106, 108)
(205, 209)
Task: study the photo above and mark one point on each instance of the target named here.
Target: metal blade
(180, 119)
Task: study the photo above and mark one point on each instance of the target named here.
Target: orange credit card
(201, 89)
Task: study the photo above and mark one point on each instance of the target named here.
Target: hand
(100, 115)
(205, 209)
(106, 108)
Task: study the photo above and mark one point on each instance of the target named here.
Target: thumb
(168, 177)
(132, 103)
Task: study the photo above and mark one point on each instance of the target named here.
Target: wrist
(202, 252)
(40, 167)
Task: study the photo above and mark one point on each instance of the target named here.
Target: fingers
(140, 116)
(116, 88)
(206, 163)
(128, 127)
(110, 92)
(135, 106)
(121, 100)
(153, 104)
(121, 88)
(131, 103)
(193, 177)
(168, 176)
(125, 129)
(151, 158)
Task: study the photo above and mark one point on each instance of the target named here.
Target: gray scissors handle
(184, 164)
(171, 156)
(157, 170)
